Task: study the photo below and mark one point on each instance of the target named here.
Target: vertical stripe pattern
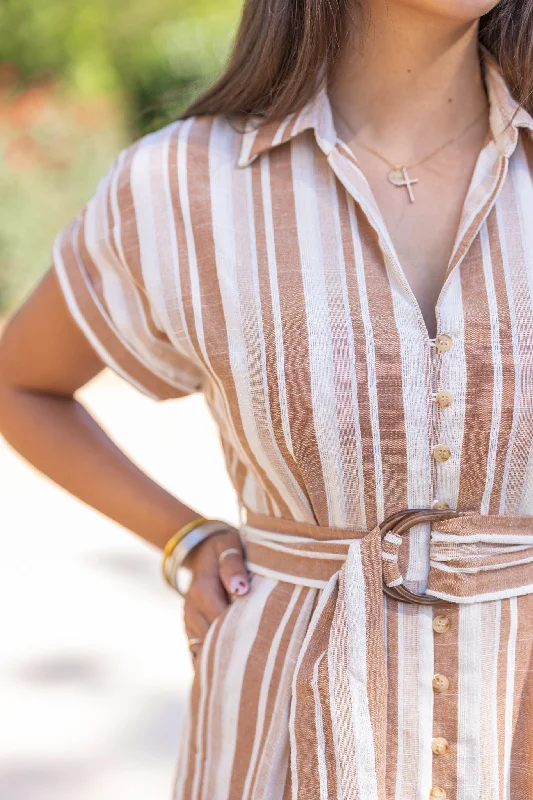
(256, 267)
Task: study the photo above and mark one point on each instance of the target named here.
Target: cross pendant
(400, 177)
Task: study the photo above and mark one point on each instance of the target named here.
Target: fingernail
(238, 585)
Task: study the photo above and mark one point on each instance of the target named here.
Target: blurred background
(94, 667)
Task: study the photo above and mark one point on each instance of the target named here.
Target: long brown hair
(282, 47)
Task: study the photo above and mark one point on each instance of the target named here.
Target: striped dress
(255, 267)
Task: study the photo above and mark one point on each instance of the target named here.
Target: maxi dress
(254, 266)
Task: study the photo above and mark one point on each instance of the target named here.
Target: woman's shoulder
(193, 141)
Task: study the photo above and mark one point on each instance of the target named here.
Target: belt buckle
(399, 524)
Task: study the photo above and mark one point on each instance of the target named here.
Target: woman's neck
(412, 82)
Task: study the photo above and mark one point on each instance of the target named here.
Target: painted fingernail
(238, 585)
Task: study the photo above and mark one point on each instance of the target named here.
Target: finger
(208, 595)
(196, 627)
(232, 567)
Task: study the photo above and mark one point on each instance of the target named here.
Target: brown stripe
(288, 564)
(480, 381)
(522, 745)
(505, 624)
(507, 356)
(361, 365)
(445, 720)
(305, 731)
(295, 528)
(393, 677)
(463, 584)
(294, 328)
(388, 364)
(252, 685)
(370, 549)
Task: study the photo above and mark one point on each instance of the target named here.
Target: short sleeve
(107, 263)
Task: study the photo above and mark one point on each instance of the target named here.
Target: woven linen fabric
(256, 267)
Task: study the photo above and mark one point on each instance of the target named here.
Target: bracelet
(187, 543)
(176, 538)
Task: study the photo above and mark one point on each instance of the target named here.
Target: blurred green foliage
(78, 80)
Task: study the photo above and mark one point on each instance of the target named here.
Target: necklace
(398, 174)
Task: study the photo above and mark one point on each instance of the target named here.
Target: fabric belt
(339, 693)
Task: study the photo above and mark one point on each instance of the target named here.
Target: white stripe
(275, 575)
(425, 700)
(487, 538)
(370, 359)
(508, 258)
(454, 376)
(333, 680)
(321, 739)
(509, 698)
(415, 419)
(490, 647)
(502, 594)
(316, 555)
(474, 570)
(497, 381)
(398, 794)
(204, 689)
(469, 708)
(318, 329)
(356, 613)
(392, 538)
(347, 392)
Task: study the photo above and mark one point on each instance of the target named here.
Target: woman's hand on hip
(218, 573)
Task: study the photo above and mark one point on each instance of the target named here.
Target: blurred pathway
(94, 668)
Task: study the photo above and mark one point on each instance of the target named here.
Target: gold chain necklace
(398, 174)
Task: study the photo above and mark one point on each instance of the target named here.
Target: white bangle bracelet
(189, 542)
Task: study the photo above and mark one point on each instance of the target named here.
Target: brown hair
(281, 47)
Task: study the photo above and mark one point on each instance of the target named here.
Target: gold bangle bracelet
(176, 539)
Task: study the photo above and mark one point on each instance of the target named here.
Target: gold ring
(194, 641)
(229, 552)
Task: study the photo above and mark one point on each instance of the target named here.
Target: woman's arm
(44, 360)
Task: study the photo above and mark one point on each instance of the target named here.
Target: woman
(349, 282)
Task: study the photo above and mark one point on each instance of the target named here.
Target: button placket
(442, 399)
(441, 685)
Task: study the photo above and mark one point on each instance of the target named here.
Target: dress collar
(506, 116)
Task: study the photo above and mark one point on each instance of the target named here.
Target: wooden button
(439, 745)
(440, 504)
(441, 624)
(437, 793)
(441, 453)
(444, 398)
(443, 342)
(440, 683)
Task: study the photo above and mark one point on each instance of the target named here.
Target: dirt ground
(94, 667)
